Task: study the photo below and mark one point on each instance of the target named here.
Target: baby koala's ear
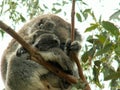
(72, 46)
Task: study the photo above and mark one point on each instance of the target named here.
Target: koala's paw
(72, 46)
(75, 46)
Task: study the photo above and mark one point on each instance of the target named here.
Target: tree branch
(36, 56)
(72, 54)
(72, 20)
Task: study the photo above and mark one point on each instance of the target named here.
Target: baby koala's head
(46, 41)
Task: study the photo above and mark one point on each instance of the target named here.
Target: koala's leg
(24, 75)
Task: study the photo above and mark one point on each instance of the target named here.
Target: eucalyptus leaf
(22, 18)
(92, 27)
(86, 12)
(104, 50)
(108, 71)
(88, 54)
(85, 57)
(110, 27)
(2, 32)
(79, 18)
(115, 15)
(45, 6)
(117, 50)
(96, 71)
(112, 75)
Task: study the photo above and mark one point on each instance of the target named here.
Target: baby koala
(25, 74)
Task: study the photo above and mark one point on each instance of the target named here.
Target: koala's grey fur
(20, 73)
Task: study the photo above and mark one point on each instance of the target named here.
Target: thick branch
(73, 55)
(36, 56)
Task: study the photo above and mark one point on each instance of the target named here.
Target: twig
(72, 54)
(36, 56)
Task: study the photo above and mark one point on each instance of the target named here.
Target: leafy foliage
(104, 50)
(102, 46)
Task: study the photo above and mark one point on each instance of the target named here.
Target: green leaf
(78, 17)
(56, 10)
(96, 71)
(45, 6)
(53, 9)
(110, 27)
(97, 63)
(85, 57)
(58, 4)
(108, 71)
(94, 41)
(22, 18)
(112, 75)
(101, 38)
(92, 27)
(86, 12)
(104, 50)
(64, 2)
(2, 32)
(117, 50)
(88, 54)
(115, 15)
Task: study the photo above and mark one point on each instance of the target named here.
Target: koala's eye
(20, 51)
(56, 41)
(40, 24)
(35, 36)
(62, 45)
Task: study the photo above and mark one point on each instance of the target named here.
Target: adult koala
(14, 70)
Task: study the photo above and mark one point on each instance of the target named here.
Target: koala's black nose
(46, 44)
(55, 41)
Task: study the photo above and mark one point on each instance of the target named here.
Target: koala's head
(49, 22)
(42, 40)
(46, 41)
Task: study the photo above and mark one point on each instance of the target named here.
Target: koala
(21, 73)
(48, 45)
